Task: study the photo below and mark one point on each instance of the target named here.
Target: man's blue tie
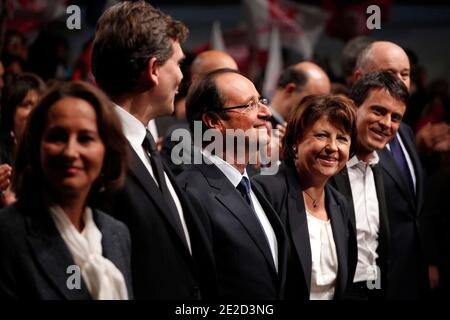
(244, 188)
(399, 157)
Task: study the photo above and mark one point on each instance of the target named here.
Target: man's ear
(153, 71)
(357, 75)
(212, 121)
(290, 87)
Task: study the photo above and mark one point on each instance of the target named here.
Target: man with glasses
(249, 242)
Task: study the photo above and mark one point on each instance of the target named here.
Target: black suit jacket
(244, 263)
(341, 182)
(162, 265)
(34, 259)
(284, 193)
(408, 277)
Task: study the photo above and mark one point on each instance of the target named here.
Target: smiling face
(377, 121)
(322, 151)
(71, 150)
(238, 90)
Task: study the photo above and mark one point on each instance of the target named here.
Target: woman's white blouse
(324, 259)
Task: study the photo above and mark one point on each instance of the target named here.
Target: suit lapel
(417, 165)
(277, 228)
(392, 170)
(231, 199)
(53, 255)
(141, 174)
(340, 239)
(298, 224)
(384, 233)
(342, 184)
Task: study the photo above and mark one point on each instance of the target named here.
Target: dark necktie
(399, 157)
(158, 170)
(244, 188)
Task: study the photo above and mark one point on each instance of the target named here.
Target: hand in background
(5, 175)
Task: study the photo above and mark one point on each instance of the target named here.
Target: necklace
(313, 200)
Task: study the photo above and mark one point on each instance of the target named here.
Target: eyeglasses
(252, 105)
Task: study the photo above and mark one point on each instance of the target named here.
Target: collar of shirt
(227, 169)
(133, 129)
(354, 161)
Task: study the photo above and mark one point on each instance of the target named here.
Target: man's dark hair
(379, 80)
(204, 97)
(292, 75)
(128, 35)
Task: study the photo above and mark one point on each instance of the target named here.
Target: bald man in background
(211, 60)
(384, 56)
(296, 82)
(403, 179)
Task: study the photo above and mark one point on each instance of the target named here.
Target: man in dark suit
(248, 239)
(403, 181)
(381, 100)
(136, 60)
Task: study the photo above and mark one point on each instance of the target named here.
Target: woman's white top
(324, 258)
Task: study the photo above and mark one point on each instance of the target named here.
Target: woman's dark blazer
(35, 261)
(284, 193)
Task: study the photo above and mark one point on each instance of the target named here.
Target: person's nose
(385, 122)
(264, 111)
(71, 148)
(331, 145)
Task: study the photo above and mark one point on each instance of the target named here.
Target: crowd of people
(326, 192)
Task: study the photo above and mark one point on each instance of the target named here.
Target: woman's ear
(212, 121)
(153, 71)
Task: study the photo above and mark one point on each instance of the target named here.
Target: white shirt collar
(227, 169)
(355, 161)
(133, 129)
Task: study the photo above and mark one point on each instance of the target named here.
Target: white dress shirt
(235, 177)
(135, 132)
(367, 215)
(324, 260)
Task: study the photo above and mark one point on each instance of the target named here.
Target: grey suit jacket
(34, 259)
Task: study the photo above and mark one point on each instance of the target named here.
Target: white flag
(216, 42)
(274, 64)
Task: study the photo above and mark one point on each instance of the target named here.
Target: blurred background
(34, 35)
